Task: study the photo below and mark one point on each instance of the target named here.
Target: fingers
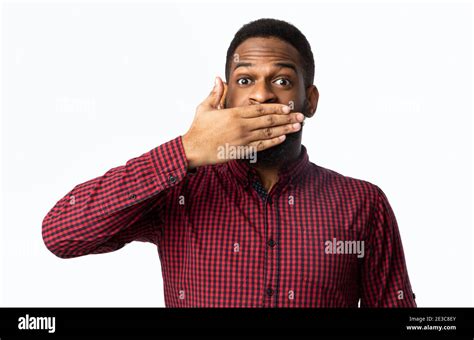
(258, 110)
(274, 120)
(272, 132)
(267, 143)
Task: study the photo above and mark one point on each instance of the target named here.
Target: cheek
(292, 98)
(289, 98)
(236, 97)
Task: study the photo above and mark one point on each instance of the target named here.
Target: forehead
(266, 50)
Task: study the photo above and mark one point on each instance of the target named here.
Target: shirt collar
(290, 172)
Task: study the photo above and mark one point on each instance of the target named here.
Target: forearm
(115, 205)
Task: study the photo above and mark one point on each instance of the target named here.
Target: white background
(88, 86)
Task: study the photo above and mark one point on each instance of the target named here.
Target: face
(269, 70)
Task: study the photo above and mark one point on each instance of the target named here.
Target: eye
(244, 81)
(283, 82)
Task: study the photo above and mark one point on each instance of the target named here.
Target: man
(268, 229)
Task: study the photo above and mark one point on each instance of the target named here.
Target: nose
(262, 93)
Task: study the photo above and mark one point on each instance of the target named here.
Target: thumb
(221, 104)
(212, 101)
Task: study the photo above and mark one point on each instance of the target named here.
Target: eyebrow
(287, 65)
(280, 65)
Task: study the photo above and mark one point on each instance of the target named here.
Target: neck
(268, 173)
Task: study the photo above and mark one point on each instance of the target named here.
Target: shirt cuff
(169, 163)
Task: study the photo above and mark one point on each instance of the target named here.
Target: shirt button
(172, 179)
(271, 243)
(270, 292)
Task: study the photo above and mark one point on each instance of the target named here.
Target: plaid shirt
(223, 241)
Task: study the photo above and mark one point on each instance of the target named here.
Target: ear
(312, 96)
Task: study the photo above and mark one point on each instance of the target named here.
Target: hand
(259, 126)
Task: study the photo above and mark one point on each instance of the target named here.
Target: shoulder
(335, 183)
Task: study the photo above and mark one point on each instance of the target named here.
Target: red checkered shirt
(223, 241)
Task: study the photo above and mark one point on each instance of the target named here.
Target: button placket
(271, 251)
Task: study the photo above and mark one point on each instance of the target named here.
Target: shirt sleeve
(104, 213)
(384, 275)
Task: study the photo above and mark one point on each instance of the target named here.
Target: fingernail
(286, 109)
(300, 117)
(296, 126)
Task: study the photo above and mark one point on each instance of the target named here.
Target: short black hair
(280, 29)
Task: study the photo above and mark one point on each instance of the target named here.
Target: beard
(283, 152)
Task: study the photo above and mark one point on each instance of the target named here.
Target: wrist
(190, 152)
